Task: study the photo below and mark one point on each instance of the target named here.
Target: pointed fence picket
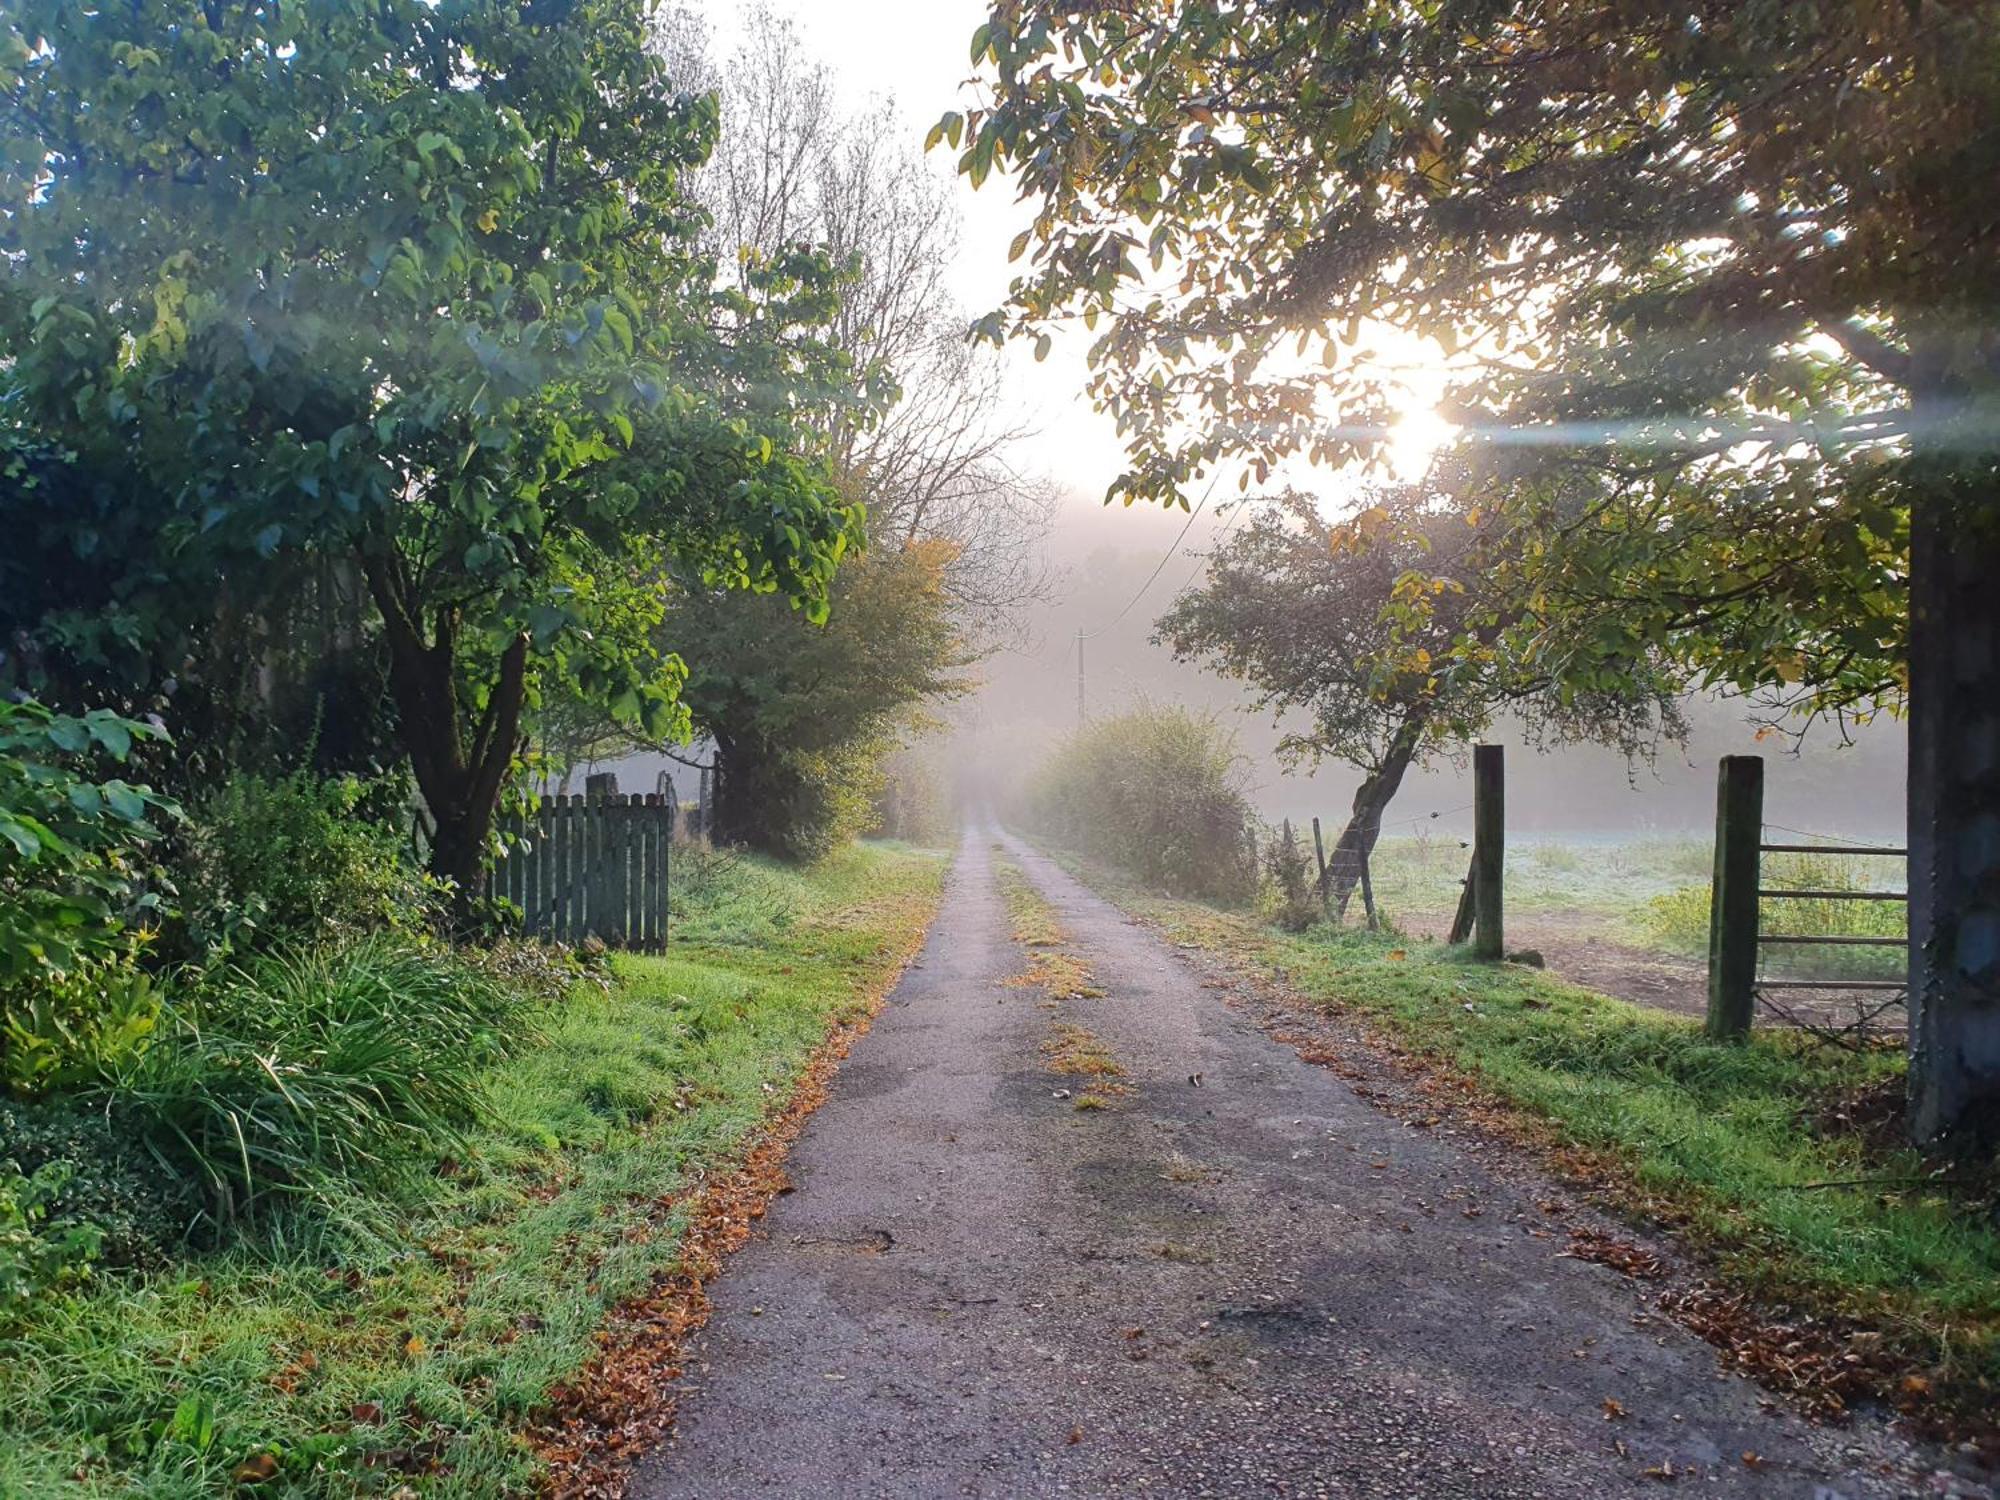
(581, 867)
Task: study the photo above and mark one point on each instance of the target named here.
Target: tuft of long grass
(314, 1072)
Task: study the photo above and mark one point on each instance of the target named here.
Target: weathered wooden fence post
(1368, 893)
(1732, 901)
(1319, 853)
(1461, 921)
(1489, 842)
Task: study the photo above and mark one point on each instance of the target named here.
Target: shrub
(299, 859)
(1156, 791)
(75, 893)
(1296, 908)
(915, 802)
(71, 1029)
(109, 1183)
(306, 1073)
(35, 1258)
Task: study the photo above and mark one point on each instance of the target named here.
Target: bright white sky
(915, 52)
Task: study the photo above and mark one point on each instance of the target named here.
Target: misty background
(912, 62)
(1822, 781)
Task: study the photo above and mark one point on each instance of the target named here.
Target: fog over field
(1105, 554)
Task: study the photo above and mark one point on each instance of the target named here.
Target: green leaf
(20, 835)
(111, 733)
(621, 326)
(127, 802)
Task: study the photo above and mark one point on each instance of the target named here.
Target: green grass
(1677, 920)
(1653, 893)
(378, 1360)
(1726, 1142)
(1420, 875)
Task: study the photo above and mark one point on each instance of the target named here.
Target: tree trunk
(460, 774)
(737, 778)
(1364, 821)
(1954, 811)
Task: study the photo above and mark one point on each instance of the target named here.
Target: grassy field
(1776, 1158)
(407, 1349)
(1421, 875)
(1653, 894)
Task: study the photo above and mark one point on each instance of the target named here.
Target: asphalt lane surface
(1219, 1285)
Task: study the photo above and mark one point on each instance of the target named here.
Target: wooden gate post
(1489, 839)
(1732, 901)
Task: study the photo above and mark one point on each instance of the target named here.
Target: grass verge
(1776, 1160)
(410, 1359)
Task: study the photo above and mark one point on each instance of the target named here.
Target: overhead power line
(1153, 577)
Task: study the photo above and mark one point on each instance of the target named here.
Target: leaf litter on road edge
(596, 1425)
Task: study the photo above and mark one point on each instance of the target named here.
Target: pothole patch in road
(868, 1242)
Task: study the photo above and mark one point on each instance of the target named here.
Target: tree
(801, 718)
(1363, 637)
(416, 287)
(1721, 278)
(794, 167)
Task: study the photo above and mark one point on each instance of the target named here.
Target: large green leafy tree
(1723, 277)
(800, 718)
(413, 287)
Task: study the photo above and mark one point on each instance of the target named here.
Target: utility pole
(1080, 715)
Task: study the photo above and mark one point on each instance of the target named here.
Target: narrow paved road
(978, 1289)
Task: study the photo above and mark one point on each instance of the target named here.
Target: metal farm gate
(581, 867)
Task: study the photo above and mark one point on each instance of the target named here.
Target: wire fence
(1630, 916)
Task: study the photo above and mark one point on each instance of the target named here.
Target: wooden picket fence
(581, 867)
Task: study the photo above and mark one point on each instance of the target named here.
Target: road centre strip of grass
(383, 1363)
(1749, 1152)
